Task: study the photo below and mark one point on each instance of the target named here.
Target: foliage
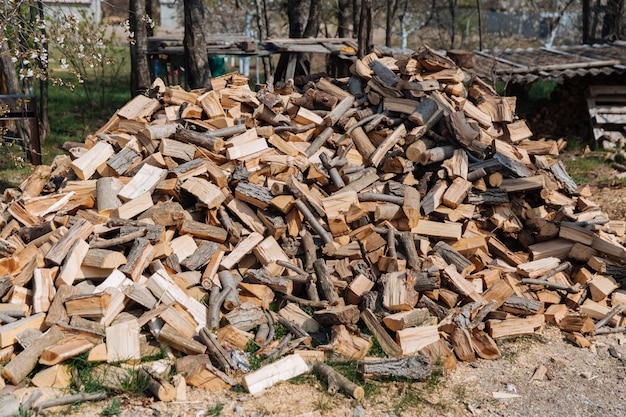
(323, 403)
(84, 379)
(215, 410)
(376, 350)
(23, 30)
(579, 167)
(408, 399)
(433, 381)
(349, 369)
(22, 412)
(542, 90)
(162, 354)
(113, 409)
(254, 358)
(135, 382)
(87, 51)
(279, 331)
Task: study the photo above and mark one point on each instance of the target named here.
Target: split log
(20, 366)
(386, 342)
(281, 370)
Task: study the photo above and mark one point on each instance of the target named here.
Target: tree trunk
(263, 29)
(44, 121)
(13, 87)
(356, 12)
(294, 15)
(140, 73)
(365, 28)
(480, 26)
(8, 70)
(153, 9)
(452, 8)
(198, 72)
(392, 7)
(343, 18)
(313, 21)
(612, 26)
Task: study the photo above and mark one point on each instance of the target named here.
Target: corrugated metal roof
(532, 64)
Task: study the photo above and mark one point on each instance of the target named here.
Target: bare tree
(140, 73)
(480, 26)
(13, 85)
(295, 14)
(365, 28)
(452, 6)
(392, 8)
(44, 119)
(313, 20)
(613, 23)
(198, 73)
(356, 13)
(343, 18)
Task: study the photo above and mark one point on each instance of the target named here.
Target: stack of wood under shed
(305, 219)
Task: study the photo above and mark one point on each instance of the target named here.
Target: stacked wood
(208, 231)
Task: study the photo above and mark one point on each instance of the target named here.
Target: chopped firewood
(187, 235)
(9, 331)
(281, 370)
(64, 349)
(413, 339)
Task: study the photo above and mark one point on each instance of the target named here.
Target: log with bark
(415, 211)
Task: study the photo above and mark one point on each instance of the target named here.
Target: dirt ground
(582, 382)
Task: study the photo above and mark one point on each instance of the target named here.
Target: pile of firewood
(399, 202)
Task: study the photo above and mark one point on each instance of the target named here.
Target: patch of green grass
(408, 399)
(460, 392)
(84, 379)
(376, 350)
(349, 369)
(22, 412)
(576, 143)
(12, 172)
(215, 410)
(279, 331)
(302, 379)
(322, 403)
(71, 118)
(135, 383)
(157, 356)
(113, 409)
(371, 389)
(255, 360)
(433, 381)
(579, 168)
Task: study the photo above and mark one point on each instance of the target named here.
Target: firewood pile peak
(398, 204)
